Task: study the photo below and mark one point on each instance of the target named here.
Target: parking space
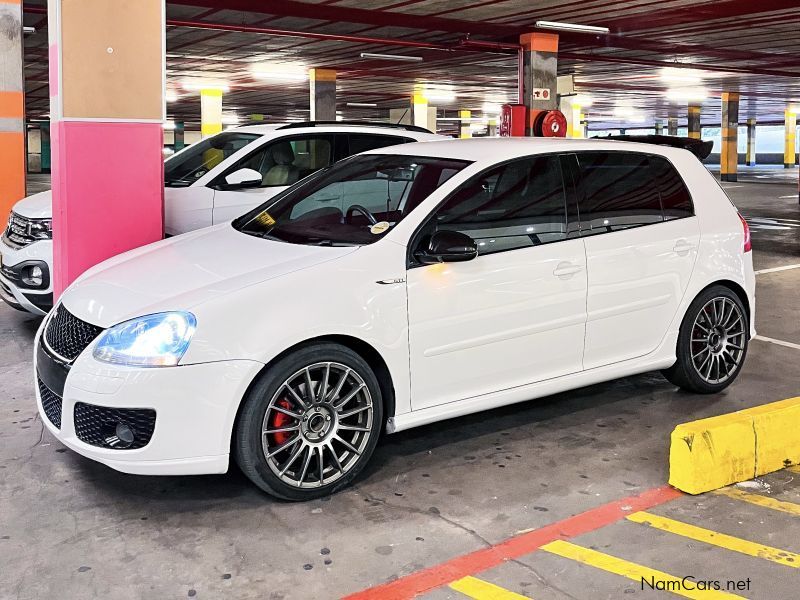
(429, 496)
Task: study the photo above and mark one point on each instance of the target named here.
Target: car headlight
(158, 340)
(41, 229)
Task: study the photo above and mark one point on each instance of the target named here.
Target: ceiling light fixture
(682, 76)
(687, 94)
(575, 27)
(230, 119)
(362, 104)
(397, 57)
(282, 71)
(198, 86)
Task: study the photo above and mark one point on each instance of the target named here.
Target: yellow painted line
(721, 540)
(483, 590)
(636, 572)
(759, 500)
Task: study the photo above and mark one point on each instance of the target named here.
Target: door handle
(683, 247)
(565, 270)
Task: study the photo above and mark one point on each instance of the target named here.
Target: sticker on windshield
(265, 220)
(379, 227)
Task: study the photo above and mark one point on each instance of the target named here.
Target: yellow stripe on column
(483, 590)
(721, 540)
(465, 131)
(210, 111)
(789, 147)
(646, 576)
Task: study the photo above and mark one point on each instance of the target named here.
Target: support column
(419, 110)
(789, 146)
(106, 90)
(12, 108)
(659, 128)
(492, 128)
(729, 155)
(693, 124)
(465, 131)
(45, 134)
(572, 112)
(322, 86)
(750, 156)
(672, 126)
(540, 76)
(179, 142)
(210, 111)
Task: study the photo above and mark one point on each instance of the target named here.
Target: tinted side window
(619, 192)
(283, 162)
(361, 142)
(675, 199)
(517, 205)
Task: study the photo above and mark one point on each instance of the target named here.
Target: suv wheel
(712, 343)
(310, 423)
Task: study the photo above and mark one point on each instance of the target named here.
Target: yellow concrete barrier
(711, 453)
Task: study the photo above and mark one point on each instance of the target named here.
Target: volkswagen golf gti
(393, 289)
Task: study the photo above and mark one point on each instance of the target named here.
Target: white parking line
(778, 342)
(777, 269)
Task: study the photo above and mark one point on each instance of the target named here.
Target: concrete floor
(70, 528)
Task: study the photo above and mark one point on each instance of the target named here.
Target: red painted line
(525, 543)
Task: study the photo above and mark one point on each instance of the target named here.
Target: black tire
(686, 373)
(249, 440)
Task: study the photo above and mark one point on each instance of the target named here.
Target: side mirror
(243, 178)
(448, 246)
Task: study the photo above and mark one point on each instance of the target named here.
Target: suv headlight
(158, 340)
(41, 229)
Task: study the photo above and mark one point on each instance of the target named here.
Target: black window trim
(580, 192)
(403, 140)
(570, 196)
(218, 183)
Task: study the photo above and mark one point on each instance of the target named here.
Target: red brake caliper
(279, 420)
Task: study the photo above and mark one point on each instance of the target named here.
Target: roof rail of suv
(361, 123)
(701, 149)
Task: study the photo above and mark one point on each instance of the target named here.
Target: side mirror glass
(448, 246)
(243, 178)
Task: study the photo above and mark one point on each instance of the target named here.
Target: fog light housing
(33, 276)
(123, 436)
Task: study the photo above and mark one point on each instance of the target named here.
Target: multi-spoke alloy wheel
(310, 422)
(718, 339)
(712, 343)
(317, 425)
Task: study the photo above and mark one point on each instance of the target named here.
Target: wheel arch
(360, 347)
(736, 288)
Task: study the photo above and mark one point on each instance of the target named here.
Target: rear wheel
(310, 423)
(712, 343)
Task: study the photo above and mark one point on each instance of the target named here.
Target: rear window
(676, 202)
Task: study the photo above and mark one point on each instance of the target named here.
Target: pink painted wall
(108, 193)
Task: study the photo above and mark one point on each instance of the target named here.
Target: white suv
(210, 182)
(395, 289)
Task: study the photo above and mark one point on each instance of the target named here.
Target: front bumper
(195, 408)
(15, 293)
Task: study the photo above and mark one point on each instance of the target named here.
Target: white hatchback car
(209, 182)
(397, 289)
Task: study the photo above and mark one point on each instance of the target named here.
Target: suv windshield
(354, 202)
(188, 166)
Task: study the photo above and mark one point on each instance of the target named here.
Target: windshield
(354, 202)
(186, 167)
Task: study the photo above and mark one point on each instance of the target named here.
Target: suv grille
(51, 403)
(67, 335)
(98, 425)
(19, 232)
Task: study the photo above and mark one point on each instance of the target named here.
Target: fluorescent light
(438, 94)
(282, 71)
(362, 104)
(682, 76)
(397, 57)
(198, 86)
(28, 30)
(687, 94)
(230, 119)
(557, 26)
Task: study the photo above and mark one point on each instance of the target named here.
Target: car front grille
(18, 233)
(67, 335)
(99, 425)
(51, 403)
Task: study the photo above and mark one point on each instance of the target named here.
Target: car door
(515, 314)
(281, 163)
(639, 254)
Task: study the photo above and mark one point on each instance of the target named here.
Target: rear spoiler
(701, 149)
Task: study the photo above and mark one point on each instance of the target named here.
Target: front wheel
(712, 343)
(310, 423)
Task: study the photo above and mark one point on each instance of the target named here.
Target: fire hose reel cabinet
(512, 120)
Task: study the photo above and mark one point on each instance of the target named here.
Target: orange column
(540, 74)
(12, 108)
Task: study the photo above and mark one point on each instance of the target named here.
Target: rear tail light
(747, 242)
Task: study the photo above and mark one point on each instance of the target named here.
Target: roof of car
(505, 148)
(280, 128)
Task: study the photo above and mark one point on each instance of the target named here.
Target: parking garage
(399, 299)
